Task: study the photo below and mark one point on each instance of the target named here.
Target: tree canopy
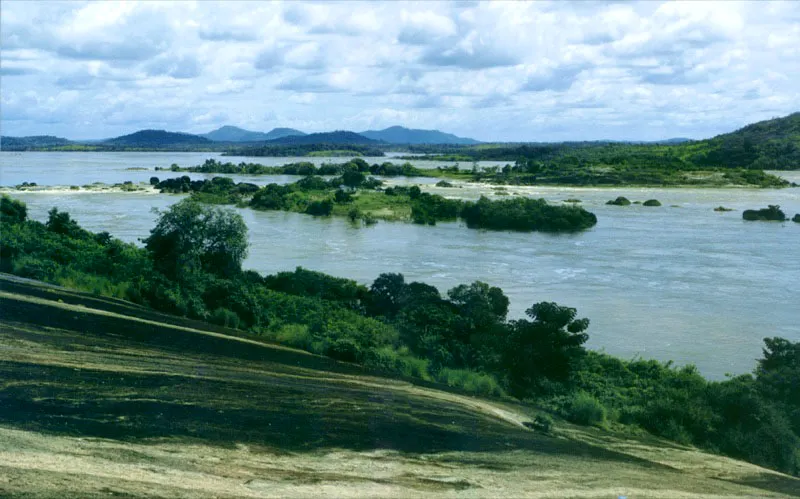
(190, 236)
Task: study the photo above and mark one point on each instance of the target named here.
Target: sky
(494, 71)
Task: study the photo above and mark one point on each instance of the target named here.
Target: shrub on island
(772, 213)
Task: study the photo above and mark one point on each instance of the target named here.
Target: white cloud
(534, 70)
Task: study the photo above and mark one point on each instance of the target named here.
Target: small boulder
(620, 201)
(722, 208)
(443, 183)
(651, 202)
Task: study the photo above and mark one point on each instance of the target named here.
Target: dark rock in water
(651, 202)
(722, 208)
(796, 218)
(620, 201)
(771, 213)
(443, 183)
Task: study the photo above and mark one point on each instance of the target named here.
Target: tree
(12, 211)
(543, 349)
(191, 237)
(61, 223)
(353, 178)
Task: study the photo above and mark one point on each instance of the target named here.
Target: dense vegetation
(191, 265)
(356, 196)
(31, 143)
(771, 213)
(386, 169)
(624, 169)
(766, 145)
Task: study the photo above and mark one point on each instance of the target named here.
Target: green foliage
(585, 410)
(190, 237)
(524, 214)
(471, 381)
(303, 282)
(543, 350)
(225, 317)
(12, 211)
(770, 213)
(320, 208)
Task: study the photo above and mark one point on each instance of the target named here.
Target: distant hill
(157, 138)
(229, 133)
(338, 137)
(278, 133)
(402, 135)
(767, 145)
(24, 143)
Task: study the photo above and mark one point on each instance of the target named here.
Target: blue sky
(534, 71)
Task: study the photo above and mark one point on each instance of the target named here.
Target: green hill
(340, 137)
(157, 139)
(29, 143)
(767, 145)
(402, 135)
(104, 398)
(236, 134)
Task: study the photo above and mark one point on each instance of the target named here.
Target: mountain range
(402, 135)
(229, 133)
(769, 144)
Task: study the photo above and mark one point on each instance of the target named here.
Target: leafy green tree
(12, 211)
(544, 349)
(191, 237)
(353, 178)
(61, 223)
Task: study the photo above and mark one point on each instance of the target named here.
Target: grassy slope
(100, 397)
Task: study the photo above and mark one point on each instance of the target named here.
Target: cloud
(180, 67)
(91, 69)
(232, 34)
(17, 71)
(269, 58)
(555, 79)
(473, 52)
(425, 27)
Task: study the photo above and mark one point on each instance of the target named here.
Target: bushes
(771, 213)
(320, 208)
(224, 317)
(12, 211)
(524, 214)
(471, 381)
(585, 410)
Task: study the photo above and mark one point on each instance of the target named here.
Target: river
(678, 282)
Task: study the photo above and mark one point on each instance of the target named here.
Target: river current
(678, 282)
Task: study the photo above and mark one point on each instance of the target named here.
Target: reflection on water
(678, 282)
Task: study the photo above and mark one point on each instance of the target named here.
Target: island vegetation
(191, 265)
(359, 197)
(385, 169)
(771, 213)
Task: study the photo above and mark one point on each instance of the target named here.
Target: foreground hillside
(101, 397)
